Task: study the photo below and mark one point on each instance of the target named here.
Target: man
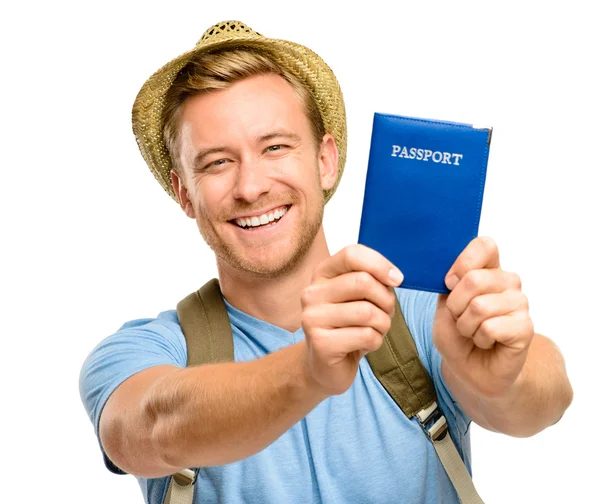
(248, 134)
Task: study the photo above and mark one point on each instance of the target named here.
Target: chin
(267, 266)
(272, 261)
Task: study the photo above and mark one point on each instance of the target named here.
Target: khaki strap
(397, 365)
(181, 488)
(205, 325)
(207, 331)
(456, 470)
(436, 429)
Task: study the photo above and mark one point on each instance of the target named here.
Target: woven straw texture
(299, 60)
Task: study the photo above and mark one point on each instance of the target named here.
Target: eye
(274, 148)
(218, 162)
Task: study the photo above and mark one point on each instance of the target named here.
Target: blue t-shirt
(356, 447)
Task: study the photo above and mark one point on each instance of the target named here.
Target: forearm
(536, 400)
(220, 413)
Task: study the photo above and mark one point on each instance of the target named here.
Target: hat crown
(228, 30)
(149, 106)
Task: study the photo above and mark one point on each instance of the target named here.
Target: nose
(252, 181)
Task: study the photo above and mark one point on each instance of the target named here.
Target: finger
(513, 331)
(345, 340)
(355, 286)
(360, 258)
(488, 306)
(478, 282)
(353, 313)
(481, 252)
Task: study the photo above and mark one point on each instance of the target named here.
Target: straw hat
(308, 67)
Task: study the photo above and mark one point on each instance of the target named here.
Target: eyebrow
(202, 153)
(278, 134)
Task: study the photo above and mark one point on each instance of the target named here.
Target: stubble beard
(278, 264)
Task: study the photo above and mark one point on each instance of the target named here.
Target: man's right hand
(346, 312)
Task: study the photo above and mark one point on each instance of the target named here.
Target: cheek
(297, 171)
(213, 192)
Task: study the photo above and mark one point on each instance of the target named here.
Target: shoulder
(137, 345)
(143, 340)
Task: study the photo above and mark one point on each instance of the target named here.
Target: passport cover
(423, 194)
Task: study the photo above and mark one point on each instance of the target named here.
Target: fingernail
(395, 276)
(451, 281)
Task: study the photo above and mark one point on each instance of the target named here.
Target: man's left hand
(482, 328)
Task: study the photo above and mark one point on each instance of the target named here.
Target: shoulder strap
(205, 325)
(396, 364)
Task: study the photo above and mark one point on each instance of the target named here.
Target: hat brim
(295, 58)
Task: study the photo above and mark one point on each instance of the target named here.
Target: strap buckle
(433, 422)
(186, 477)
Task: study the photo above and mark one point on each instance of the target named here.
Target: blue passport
(423, 194)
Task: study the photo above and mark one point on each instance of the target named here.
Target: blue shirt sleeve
(418, 308)
(137, 345)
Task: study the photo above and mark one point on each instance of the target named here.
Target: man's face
(253, 174)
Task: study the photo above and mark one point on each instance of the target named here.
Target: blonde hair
(218, 70)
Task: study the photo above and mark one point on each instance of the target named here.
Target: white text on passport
(426, 155)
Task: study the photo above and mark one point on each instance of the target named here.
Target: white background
(90, 240)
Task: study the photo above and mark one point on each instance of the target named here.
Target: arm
(504, 376)
(165, 418)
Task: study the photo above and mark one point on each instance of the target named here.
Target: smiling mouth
(261, 221)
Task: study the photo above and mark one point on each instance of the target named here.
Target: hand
(346, 312)
(482, 328)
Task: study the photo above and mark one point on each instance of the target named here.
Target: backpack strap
(398, 367)
(205, 324)
(396, 364)
(181, 487)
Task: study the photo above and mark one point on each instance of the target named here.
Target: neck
(274, 300)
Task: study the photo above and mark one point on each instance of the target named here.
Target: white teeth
(261, 220)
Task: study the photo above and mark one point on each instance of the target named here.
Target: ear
(182, 195)
(328, 161)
